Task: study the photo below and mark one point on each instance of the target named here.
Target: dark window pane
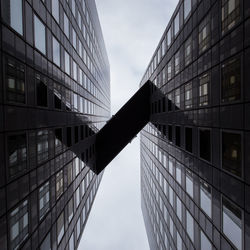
(178, 136)
(231, 81)
(41, 91)
(170, 133)
(58, 140)
(69, 139)
(17, 153)
(205, 144)
(42, 146)
(189, 139)
(231, 153)
(15, 81)
(76, 134)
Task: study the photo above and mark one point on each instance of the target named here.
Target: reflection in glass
(205, 198)
(189, 183)
(205, 243)
(16, 15)
(56, 52)
(232, 222)
(40, 37)
(190, 225)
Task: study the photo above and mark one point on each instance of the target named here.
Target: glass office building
(195, 176)
(54, 95)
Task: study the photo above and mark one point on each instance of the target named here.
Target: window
(69, 137)
(77, 194)
(56, 51)
(204, 81)
(179, 208)
(205, 243)
(170, 101)
(18, 225)
(66, 25)
(205, 144)
(17, 153)
(60, 227)
(43, 199)
(40, 36)
(58, 141)
(170, 133)
(55, 9)
(12, 13)
(78, 228)
(179, 241)
(178, 172)
(187, 8)
(57, 96)
(231, 153)
(232, 222)
(206, 198)
(177, 99)
(74, 71)
(190, 226)
(67, 63)
(177, 62)
(177, 24)
(15, 80)
(171, 196)
(74, 7)
(74, 38)
(42, 146)
(71, 242)
(188, 95)
(178, 136)
(169, 70)
(189, 183)
(70, 173)
(59, 184)
(204, 35)
(231, 80)
(189, 140)
(169, 37)
(41, 91)
(46, 243)
(70, 209)
(188, 51)
(230, 14)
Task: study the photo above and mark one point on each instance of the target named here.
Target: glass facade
(54, 96)
(195, 180)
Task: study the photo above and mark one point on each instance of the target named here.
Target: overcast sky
(132, 30)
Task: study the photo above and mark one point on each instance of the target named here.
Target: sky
(131, 30)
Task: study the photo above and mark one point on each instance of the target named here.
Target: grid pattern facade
(195, 152)
(54, 96)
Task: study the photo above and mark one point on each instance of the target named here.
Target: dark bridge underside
(122, 128)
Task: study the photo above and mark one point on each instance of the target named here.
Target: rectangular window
(188, 95)
(55, 9)
(177, 99)
(177, 62)
(41, 91)
(190, 225)
(230, 14)
(17, 153)
(59, 184)
(231, 153)
(204, 82)
(232, 222)
(204, 34)
(66, 25)
(70, 209)
(74, 7)
(13, 14)
(206, 198)
(69, 137)
(188, 51)
(40, 35)
(46, 245)
(78, 228)
(189, 140)
(60, 227)
(205, 243)
(56, 51)
(170, 70)
(169, 37)
(170, 133)
(187, 8)
(58, 141)
(74, 70)
(57, 96)
(179, 208)
(15, 81)
(44, 199)
(177, 24)
(18, 225)
(71, 242)
(189, 183)
(42, 146)
(205, 144)
(178, 136)
(74, 39)
(231, 80)
(178, 172)
(67, 63)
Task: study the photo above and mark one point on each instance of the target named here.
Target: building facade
(195, 159)
(54, 95)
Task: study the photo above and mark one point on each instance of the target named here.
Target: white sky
(132, 30)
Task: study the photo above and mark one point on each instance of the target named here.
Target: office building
(54, 95)
(195, 151)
